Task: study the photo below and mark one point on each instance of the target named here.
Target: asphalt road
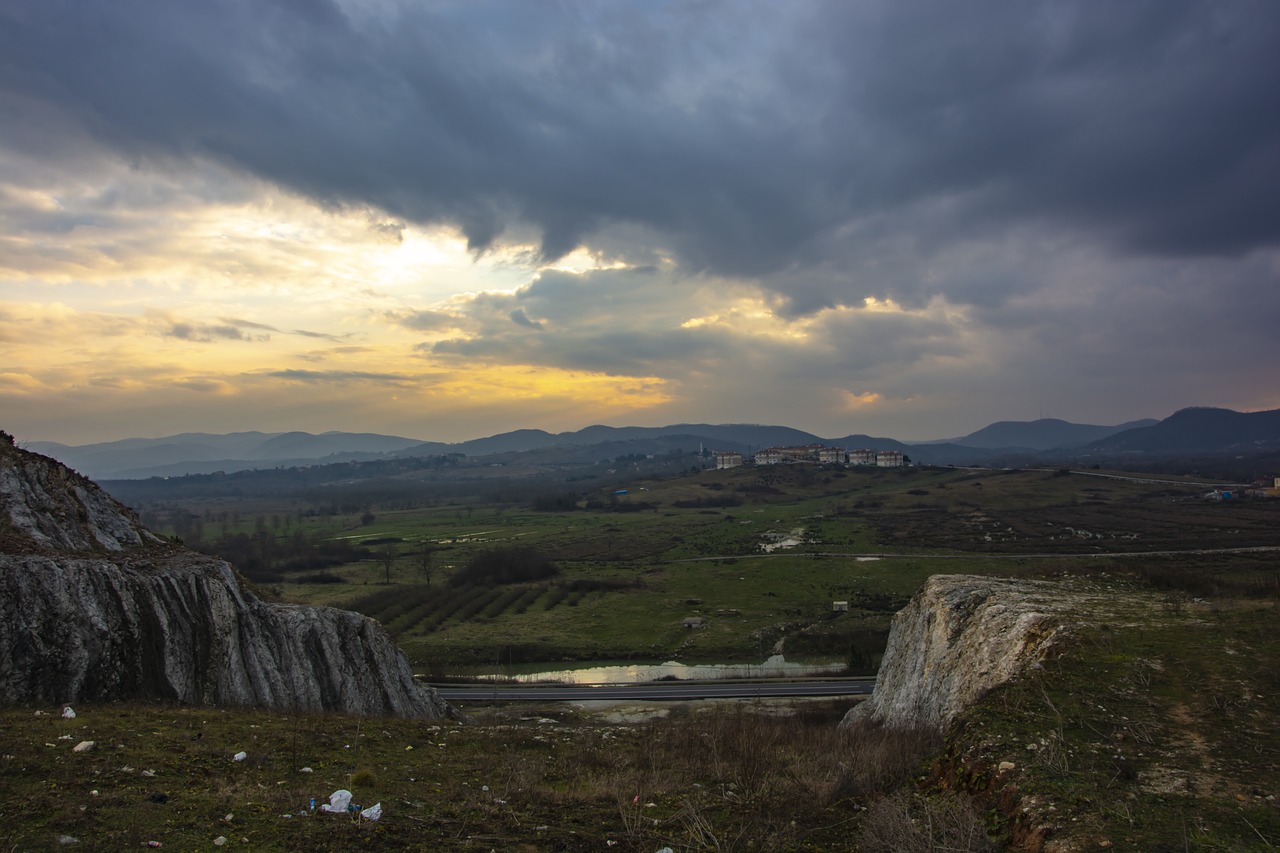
(655, 691)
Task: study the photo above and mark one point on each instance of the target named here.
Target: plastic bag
(373, 812)
(240, 756)
(68, 714)
(338, 802)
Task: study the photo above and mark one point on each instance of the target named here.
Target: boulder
(958, 638)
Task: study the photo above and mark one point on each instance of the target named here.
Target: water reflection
(773, 667)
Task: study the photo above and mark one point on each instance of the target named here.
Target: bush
(710, 502)
(494, 566)
(320, 577)
(562, 502)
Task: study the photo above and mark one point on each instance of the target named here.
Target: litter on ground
(338, 802)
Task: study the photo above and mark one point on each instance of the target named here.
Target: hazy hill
(1197, 430)
(204, 453)
(741, 437)
(507, 442)
(1043, 434)
(304, 445)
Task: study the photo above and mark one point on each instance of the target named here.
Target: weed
(904, 822)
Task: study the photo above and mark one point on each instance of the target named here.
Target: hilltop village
(816, 453)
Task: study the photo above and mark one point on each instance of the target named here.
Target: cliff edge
(959, 637)
(93, 607)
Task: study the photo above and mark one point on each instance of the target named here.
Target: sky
(450, 219)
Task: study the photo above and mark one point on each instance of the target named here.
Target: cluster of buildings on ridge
(818, 453)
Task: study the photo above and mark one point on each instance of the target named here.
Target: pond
(589, 673)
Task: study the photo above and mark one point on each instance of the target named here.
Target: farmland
(757, 555)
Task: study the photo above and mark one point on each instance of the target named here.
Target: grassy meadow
(758, 554)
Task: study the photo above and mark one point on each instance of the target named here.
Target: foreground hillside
(1152, 727)
(1158, 728)
(1148, 723)
(1087, 713)
(544, 780)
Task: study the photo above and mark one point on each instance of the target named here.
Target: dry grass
(717, 780)
(906, 823)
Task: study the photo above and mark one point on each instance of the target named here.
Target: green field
(758, 555)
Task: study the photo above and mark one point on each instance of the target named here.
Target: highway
(653, 691)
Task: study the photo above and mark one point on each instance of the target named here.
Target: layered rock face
(93, 607)
(959, 637)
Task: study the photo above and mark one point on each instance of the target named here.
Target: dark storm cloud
(770, 140)
(1157, 118)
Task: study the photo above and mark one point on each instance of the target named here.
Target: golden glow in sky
(275, 314)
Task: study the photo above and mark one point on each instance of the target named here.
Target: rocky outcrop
(959, 637)
(46, 505)
(93, 607)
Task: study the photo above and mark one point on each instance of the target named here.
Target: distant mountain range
(1198, 430)
(1043, 434)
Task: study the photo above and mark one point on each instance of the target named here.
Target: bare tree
(388, 557)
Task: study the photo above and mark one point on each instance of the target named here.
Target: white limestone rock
(960, 637)
(95, 608)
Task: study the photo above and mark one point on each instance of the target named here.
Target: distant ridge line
(1014, 442)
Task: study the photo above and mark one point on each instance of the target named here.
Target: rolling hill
(1008, 443)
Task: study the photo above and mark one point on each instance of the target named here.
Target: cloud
(391, 231)
(16, 382)
(231, 330)
(741, 138)
(425, 320)
(247, 324)
(205, 386)
(521, 319)
(334, 376)
(322, 335)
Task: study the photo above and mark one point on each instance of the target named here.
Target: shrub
(494, 566)
(321, 577)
